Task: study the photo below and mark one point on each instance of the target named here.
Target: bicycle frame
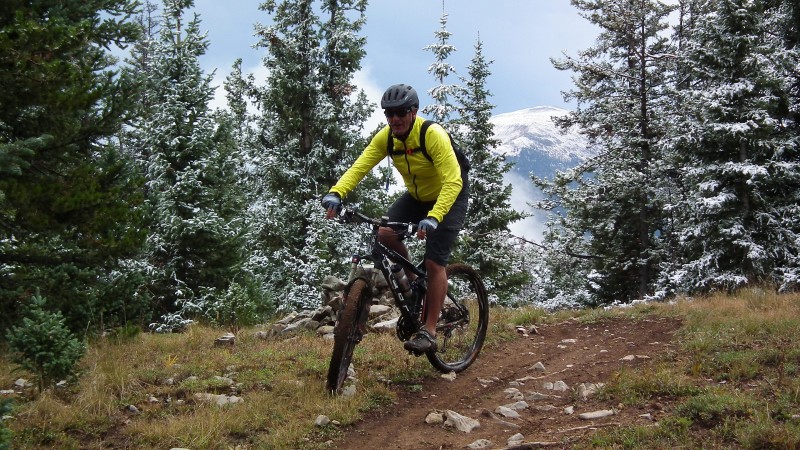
(383, 257)
(462, 323)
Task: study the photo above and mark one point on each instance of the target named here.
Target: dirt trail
(571, 352)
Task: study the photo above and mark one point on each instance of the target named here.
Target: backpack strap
(390, 151)
(462, 159)
(422, 132)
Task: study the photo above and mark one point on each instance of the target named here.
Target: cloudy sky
(519, 36)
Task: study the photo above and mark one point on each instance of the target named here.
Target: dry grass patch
(732, 384)
(281, 383)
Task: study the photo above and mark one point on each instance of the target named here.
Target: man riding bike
(437, 196)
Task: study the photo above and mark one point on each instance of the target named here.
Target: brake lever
(343, 215)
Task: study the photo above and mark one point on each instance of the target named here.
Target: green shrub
(235, 308)
(710, 409)
(44, 345)
(5, 433)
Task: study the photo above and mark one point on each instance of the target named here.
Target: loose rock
(545, 408)
(596, 414)
(218, 399)
(536, 396)
(481, 443)
(507, 412)
(517, 406)
(322, 421)
(516, 439)
(513, 393)
(496, 418)
(461, 423)
(228, 339)
(586, 390)
(557, 386)
(538, 367)
(450, 376)
(434, 418)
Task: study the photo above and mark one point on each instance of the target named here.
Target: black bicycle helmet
(400, 96)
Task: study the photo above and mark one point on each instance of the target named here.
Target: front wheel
(463, 321)
(347, 333)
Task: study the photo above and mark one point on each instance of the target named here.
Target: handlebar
(351, 215)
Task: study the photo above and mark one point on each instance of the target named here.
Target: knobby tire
(464, 321)
(346, 334)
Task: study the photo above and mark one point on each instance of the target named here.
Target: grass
(731, 383)
(282, 382)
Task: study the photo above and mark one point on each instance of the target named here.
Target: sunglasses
(389, 113)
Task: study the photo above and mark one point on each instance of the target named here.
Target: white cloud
(219, 101)
(523, 192)
(364, 80)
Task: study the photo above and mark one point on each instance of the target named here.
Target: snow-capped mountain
(536, 146)
(531, 140)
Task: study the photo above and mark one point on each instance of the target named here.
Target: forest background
(126, 200)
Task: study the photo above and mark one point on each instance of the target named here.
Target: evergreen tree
(309, 133)
(68, 216)
(557, 274)
(139, 67)
(486, 242)
(195, 251)
(253, 177)
(788, 12)
(241, 124)
(736, 158)
(790, 24)
(612, 202)
(43, 345)
(441, 69)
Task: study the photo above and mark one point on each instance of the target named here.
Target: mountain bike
(463, 321)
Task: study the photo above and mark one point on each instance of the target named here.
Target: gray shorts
(439, 244)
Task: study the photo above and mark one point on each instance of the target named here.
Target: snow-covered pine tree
(443, 108)
(194, 248)
(611, 202)
(241, 122)
(310, 133)
(788, 12)
(787, 20)
(68, 199)
(485, 241)
(557, 274)
(736, 220)
(790, 26)
(140, 59)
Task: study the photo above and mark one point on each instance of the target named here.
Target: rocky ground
(532, 392)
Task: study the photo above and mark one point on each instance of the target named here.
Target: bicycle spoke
(346, 335)
(463, 321)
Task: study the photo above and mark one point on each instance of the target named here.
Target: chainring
(404, 329)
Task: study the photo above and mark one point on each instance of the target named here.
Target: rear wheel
(463, 322)
(347, 333)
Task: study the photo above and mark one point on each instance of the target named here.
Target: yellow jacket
(426, 181)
